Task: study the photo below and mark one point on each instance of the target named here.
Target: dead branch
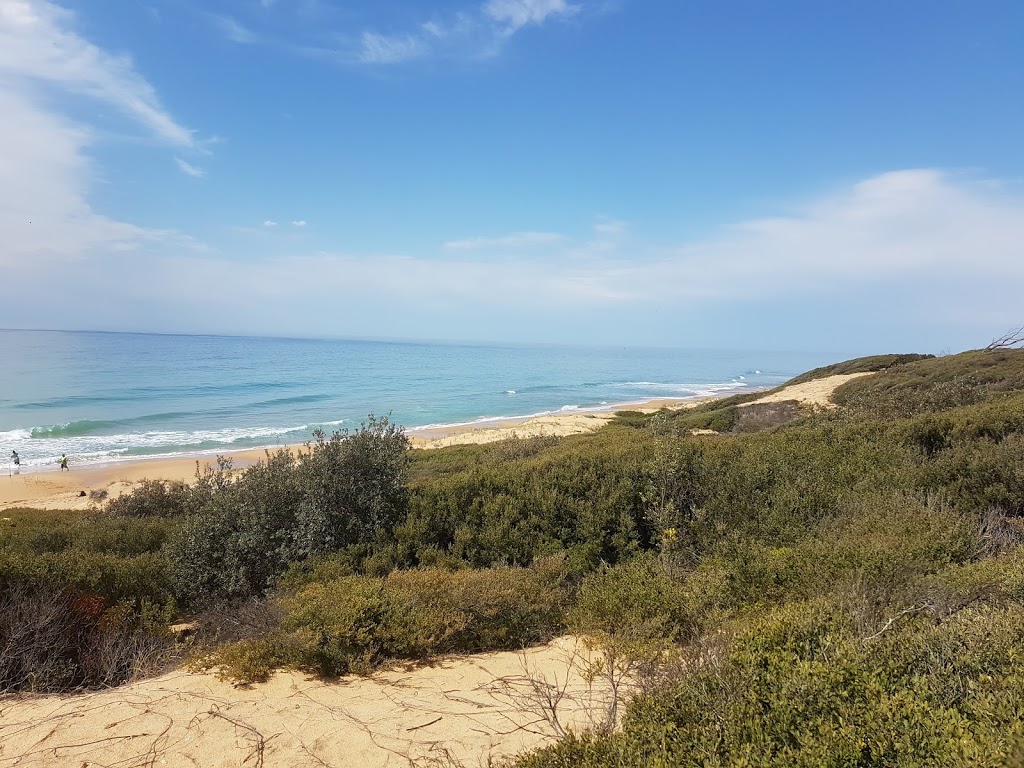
(417, 727)
(260, 742)
(916, 609)
(1007, 340)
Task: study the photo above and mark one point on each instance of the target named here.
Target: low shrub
(355, 623)
(61, 640)
(799, 688)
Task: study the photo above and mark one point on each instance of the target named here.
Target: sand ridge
(460, 711)
(816, 393)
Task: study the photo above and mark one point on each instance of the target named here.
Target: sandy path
(466, 708)
(816, 393)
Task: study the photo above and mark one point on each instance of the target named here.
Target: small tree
(343, 490)
(354, 487)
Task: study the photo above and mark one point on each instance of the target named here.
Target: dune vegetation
(800, 587)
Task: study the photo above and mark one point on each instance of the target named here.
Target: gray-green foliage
(348, 489)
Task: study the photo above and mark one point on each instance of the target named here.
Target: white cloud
(477, 33)
(914, 249)
(190, 170)
(268, 223)
(43, 212)
(516, 240)
(38, 44)
(299, 223)
(610, 227)
(516, 14)
(920, 229)
(45, 174)
(234, 31)
(384, 49)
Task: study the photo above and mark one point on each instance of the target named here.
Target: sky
(795, 174)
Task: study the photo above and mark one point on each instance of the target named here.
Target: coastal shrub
(151, 498)
(40, 532)
(634, 612)
(59, 640)
(869, 364)
(760, 416)
(353, 487)
(879, 546)
(115, 559)
(934, 385)
(344, 490)
(579, 495)
(354, 623)
(799, 687)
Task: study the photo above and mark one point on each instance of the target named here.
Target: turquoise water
(106, 397)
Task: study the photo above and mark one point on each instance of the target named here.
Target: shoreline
(81, 487)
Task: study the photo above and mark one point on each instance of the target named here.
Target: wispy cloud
(189, 170)
(300, 223)
(233, 30)
(38, 44)
(945, 248)
(610, 227)
(516, 14)
(515, 241)
(477, 32)
(46, 175)
(384, 49)
(480, 29)
(269, 223)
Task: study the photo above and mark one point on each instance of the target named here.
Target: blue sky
(839, 176)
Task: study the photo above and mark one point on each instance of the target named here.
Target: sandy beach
(77, 489)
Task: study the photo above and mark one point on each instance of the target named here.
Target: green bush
(799, 688)
(354, 623)
(345, 490)
(934, 385)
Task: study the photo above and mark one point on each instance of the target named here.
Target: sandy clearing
(816, 393)
(466, 708)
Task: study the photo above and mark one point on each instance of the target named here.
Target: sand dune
(817, 393)
(461, 711)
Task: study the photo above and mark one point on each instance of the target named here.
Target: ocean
(111, 397)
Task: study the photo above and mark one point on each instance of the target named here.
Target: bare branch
(897, 617)
(1007, 340)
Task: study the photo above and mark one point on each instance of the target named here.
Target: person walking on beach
(16, 462)
(64, 462)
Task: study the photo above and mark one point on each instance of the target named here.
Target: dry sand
(816, 393)
(62, 490)
(472, 709)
